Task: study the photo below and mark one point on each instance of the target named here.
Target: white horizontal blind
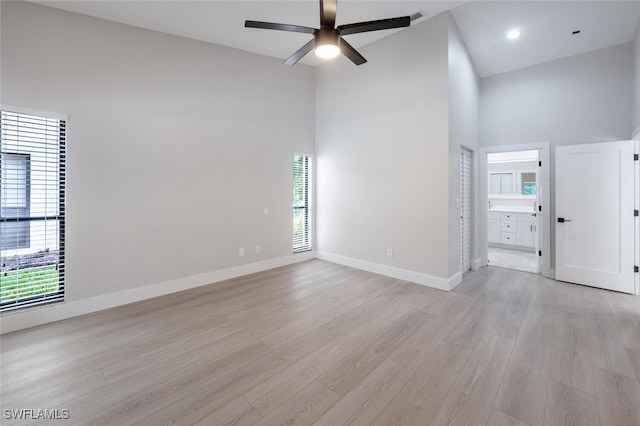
(501, 183)
(465, 210)
(32, 209)
(494, 183)
(301, 203)
(506, 183)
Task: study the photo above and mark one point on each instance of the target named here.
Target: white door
(595, 215)
(465, 210)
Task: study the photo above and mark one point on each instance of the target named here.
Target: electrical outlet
(266, 211)
(258, 249)
(389, 252)
(241, 251)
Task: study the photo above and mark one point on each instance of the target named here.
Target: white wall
(464, 128)
(174, 146)
(382, 145)
(580, 99)
(387, 134)
(636, 82)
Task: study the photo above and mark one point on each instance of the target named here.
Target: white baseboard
(13, 321)
(390, 271)
(455, 280)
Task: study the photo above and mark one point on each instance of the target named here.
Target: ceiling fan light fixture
(327, 51)
(513, 34)
(327, 43)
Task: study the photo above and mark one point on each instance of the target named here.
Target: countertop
(511, 209)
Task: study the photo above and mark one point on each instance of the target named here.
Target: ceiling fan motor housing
(325, 36)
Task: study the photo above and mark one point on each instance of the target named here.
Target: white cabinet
(494, 227)
(508, 238)
(511, 228)
(526, 229)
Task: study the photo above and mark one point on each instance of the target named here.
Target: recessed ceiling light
(513, 34)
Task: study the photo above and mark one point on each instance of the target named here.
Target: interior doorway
(513, 183)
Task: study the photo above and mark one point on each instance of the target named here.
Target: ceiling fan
(327, 40)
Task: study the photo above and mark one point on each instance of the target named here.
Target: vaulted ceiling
(546, 27)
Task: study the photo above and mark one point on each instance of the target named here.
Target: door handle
(563, 220)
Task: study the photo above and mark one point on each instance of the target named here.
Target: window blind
(301, 203)
(465, 210)
(501, 183)
(506, 183)
(32, 210)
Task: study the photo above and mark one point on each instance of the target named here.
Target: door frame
(636, 139)
(544, 217)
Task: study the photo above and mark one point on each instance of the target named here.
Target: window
(301, 203)
(501, 183)
(14, 200)
(32, 209)
(528, 183)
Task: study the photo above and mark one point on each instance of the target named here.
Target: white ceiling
(545, 26)
(545, 29)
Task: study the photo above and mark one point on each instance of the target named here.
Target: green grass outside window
(28, 283)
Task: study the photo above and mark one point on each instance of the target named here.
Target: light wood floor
(318, 343)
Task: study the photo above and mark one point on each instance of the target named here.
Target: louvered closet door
(465, 210)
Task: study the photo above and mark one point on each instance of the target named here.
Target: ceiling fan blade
(381, 24)
(350, 52)
(279, 27)
(293, 59)
(415, 16)
(328, 9)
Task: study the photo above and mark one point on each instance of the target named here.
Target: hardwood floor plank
(57, 394)
(87, 405)
(125, 391)
(472, 328)
(498, 418)
(522, 393)
(201, 394)
(635, 359)
(353, 368)
(627, 314)
(606, 345)
(618, 398)
(419, 399)
(346, 322)
(508, 323)
(567, 406)
(364, 402)
(309, 320)
(277, 389)
(413, 297)
(237, 413)
(470, 399)
(570, 358)
(304, 408)
(417, 348)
